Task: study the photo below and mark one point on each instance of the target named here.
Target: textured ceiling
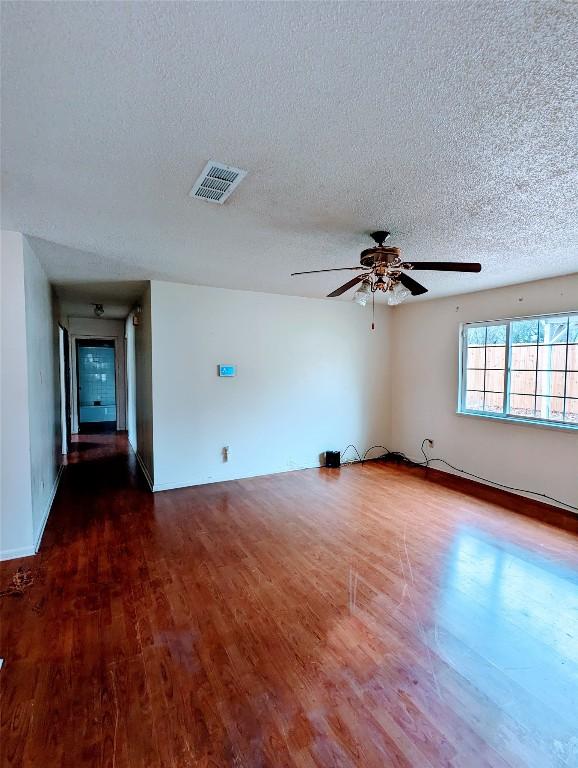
(452, 125)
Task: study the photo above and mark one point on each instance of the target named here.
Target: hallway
(362, 617)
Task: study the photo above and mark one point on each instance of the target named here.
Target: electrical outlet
(225, 453)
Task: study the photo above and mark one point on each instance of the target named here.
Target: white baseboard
(48, 508)
(192, 482)
(565, 506)
(145, 471)
(12, 554)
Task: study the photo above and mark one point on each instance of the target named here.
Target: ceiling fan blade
(445, 266)
(346, 287)
(412, 285)
(334, 269)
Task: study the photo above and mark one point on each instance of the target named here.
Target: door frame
(64, 369)
(74, 339)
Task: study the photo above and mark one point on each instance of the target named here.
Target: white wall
(99, 328)
(16, 532)
(312, 376)
(43, 389)
(425, 392)
(144, 394)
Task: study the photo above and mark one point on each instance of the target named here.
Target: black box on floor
(333, 459)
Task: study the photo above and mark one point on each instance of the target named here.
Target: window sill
(526, 422)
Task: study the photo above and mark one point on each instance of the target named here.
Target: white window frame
(504, 416)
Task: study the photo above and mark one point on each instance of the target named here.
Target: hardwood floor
(354, 617)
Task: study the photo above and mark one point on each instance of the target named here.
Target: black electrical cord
(359, 458)
(351, 461)
(429, 460)
(387, 451)
(398, 456)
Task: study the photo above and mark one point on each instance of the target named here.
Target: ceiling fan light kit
(397, 294)
(384, 270)
(363, 293)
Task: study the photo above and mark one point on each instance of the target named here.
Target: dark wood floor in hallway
(356, 617)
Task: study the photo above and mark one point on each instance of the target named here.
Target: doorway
(96, 385)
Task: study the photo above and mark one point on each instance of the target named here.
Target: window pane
(485, 367)
(551, 383)
(552, 357)
(573, 357)
(494, 381)
(523, 382)
(476, 336)
(571, 410)
(572, 384)
(573, 330)
(496, 357)
(474, 401)
(495, 334)
(476, 357)
(494, 402)
(550, 408)
(475, 380)
(522, 405)
(524, 332)
(524, 357)
(553, 330)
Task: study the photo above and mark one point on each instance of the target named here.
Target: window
(524, 368)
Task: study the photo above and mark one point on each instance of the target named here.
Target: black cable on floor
(372, 448)
(352, 461)
(429, 460)
(401, 457)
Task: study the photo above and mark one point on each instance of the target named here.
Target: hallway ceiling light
(98, 310)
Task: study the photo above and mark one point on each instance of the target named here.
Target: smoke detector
(217, 182)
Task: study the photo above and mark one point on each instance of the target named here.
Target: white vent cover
(216, 182)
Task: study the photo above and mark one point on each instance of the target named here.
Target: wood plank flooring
(354, 617)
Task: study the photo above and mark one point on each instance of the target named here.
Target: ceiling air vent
(216, 182)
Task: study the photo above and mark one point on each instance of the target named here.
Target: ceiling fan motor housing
(382, 254)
